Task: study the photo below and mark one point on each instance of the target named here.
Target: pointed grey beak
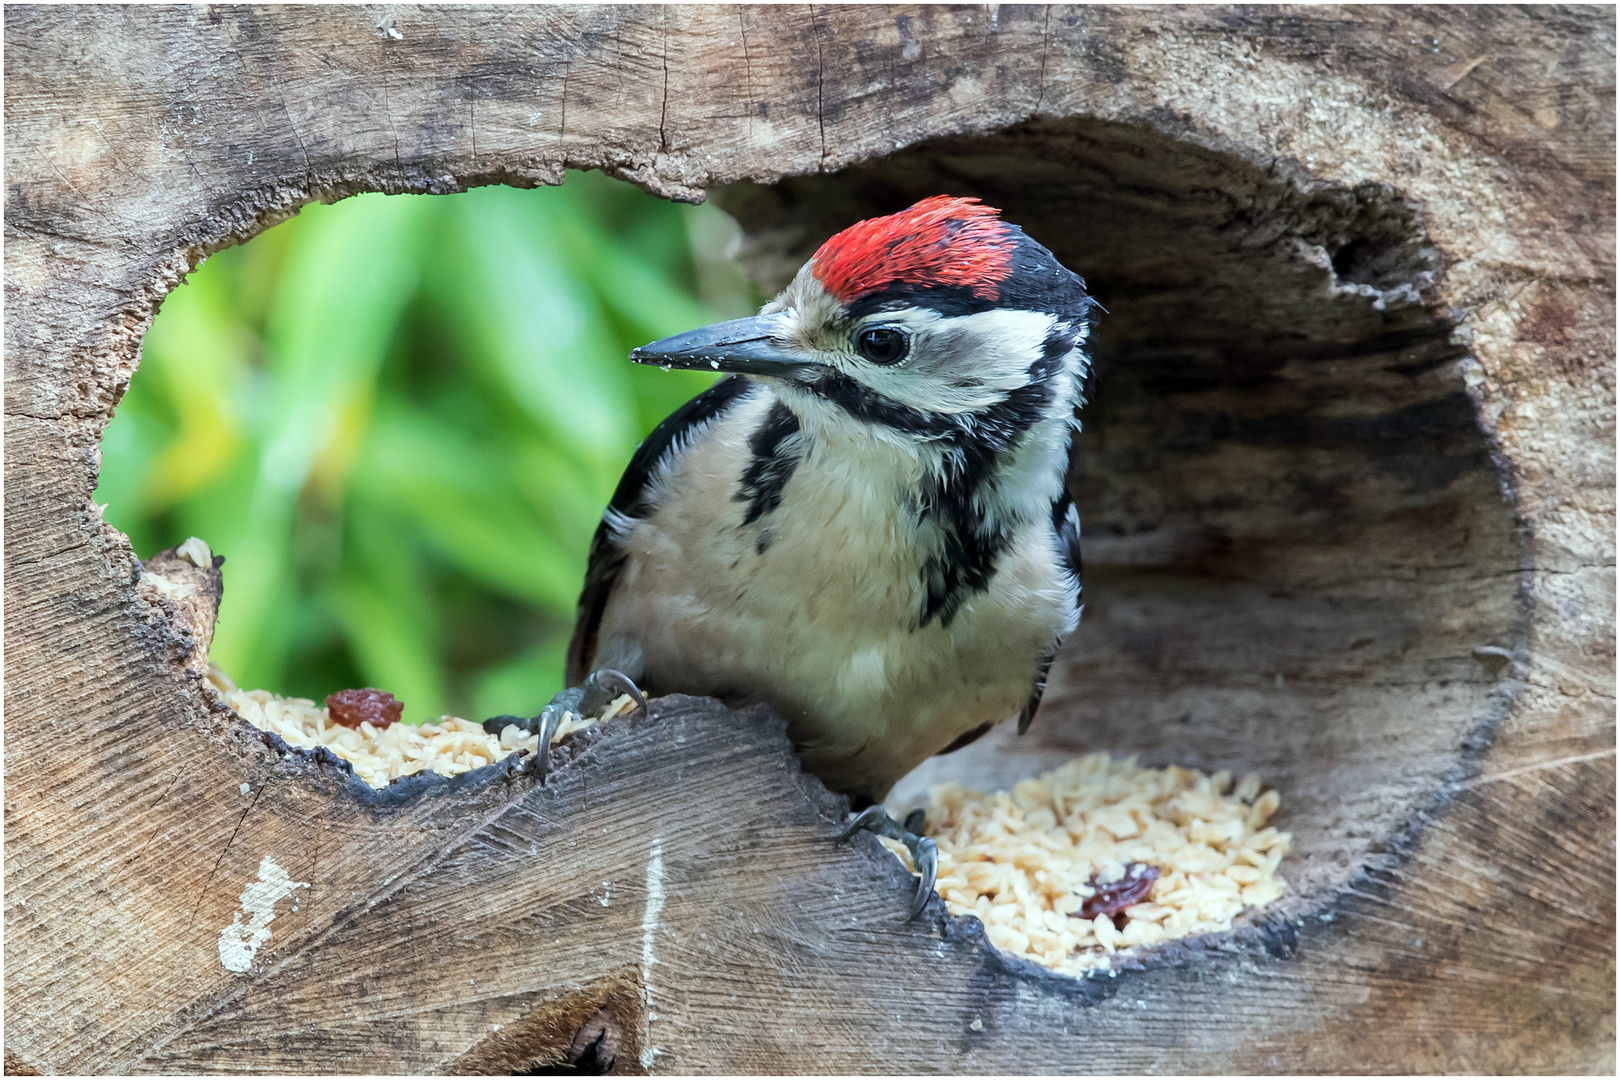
(741, 346)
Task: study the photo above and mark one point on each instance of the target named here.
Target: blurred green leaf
(336, 306)
(389, 615)
(400, 417)
(512, 688)
(465, 501)
(537, 327)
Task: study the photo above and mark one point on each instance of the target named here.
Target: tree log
(1347, 480)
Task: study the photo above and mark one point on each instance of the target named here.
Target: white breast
(813, 608)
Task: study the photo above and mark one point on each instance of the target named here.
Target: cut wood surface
(1347, 482)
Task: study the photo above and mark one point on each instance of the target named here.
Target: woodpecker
(866, 524)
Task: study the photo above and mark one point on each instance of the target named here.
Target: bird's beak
(741, 346)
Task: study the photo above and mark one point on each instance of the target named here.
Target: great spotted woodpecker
(866, 524)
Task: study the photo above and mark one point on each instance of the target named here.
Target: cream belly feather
(814, 606)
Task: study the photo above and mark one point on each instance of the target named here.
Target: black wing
(630, 501)
(1066, 523)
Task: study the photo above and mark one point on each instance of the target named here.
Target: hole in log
(593, 1032)
(1299, 559)
(1295, 536)
(399, 419)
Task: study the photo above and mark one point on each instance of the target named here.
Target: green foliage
(399, 418)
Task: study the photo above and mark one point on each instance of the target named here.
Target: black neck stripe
(771, 466)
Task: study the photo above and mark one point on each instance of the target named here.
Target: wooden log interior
(1346, 479)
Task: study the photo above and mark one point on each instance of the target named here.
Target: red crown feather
(941, 241)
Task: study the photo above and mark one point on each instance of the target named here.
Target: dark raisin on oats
(351, 708)
(1113, 898)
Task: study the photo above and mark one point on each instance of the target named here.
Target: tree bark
(1347, 478)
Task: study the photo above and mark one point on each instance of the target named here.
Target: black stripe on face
(999, 424)
(954, 498)
(771, 466)
(872, 407)
(970, 446)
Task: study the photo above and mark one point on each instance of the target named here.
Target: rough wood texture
(1347, 482)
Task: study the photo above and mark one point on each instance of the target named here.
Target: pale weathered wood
(1347, 482)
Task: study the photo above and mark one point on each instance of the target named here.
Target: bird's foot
(924, 852)
(586, 701)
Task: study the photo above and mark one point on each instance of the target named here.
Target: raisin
(351, 708)
(1112, 899)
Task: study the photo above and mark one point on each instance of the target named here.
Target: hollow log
(1346, 476)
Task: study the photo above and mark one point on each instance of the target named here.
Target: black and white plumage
(881, 546)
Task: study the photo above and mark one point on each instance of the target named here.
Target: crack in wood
(210, 879)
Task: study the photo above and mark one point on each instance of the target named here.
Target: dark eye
(883, 345)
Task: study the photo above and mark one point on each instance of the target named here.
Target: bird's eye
(883, 345)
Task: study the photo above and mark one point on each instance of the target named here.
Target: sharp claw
(586, 700)
(601, 687)
(621, 683)
(924, 852)
(915, 821)
(866, 819)
(550, 719)
(926, 857)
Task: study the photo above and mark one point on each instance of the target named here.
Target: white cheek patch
(955, 364)
(962, 363)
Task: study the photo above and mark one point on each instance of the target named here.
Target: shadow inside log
(1299, 554)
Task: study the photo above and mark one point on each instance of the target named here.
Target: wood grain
(1353, 422)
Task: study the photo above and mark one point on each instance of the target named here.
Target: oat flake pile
(1026, 862)
(383, 754)
(1032, 864)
